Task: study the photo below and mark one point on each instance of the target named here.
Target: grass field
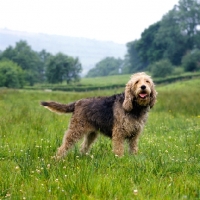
(106, 82)
(166, 167)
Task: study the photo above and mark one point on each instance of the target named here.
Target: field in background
(107, 82)
(166, 167)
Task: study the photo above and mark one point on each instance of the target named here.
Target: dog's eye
(147, 82)
(136, 82)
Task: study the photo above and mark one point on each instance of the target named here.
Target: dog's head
(140, 90)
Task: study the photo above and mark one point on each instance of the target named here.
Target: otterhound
(121, 116)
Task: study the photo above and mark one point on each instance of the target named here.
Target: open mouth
(143, 95)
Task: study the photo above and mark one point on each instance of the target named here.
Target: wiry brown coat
(121, 116)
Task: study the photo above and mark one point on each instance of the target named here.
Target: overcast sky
(120, 21)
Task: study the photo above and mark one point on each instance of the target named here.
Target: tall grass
(166, 167)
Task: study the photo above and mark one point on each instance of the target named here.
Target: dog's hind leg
(88, 140)
(70, 138)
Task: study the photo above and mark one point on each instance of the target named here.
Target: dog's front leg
(118, 145)
(133, 145)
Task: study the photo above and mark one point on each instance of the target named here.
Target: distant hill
(89, 51)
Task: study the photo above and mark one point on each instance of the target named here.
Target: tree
(134, 62)
(150, 51)
(161, 68)
(63, 68)
(11, 75)
(177, 33)
(44, 57)
(26, 58)
(73, 70)
(107, 66)
(179, 30)
(169, 36)
(188, 13)
(191, 61)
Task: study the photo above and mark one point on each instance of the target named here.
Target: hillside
(89, 51)
(109, 82)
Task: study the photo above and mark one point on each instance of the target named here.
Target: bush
(161, 68)
(191, 61)
(11, 75)
(178, 71)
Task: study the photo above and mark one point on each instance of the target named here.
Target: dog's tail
(58, 107)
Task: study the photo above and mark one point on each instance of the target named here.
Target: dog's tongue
(143, 95)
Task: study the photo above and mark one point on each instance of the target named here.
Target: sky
(120, 21)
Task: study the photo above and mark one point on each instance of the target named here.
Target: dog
(120, 117)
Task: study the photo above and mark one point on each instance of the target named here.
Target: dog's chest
(130, 123)
(133, 124)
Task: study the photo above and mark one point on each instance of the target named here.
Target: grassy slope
(107, 80)
(167, 166)
(122, 79)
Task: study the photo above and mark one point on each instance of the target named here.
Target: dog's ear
(153, 97)
(127, 104)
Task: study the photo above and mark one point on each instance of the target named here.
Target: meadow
(167, 165)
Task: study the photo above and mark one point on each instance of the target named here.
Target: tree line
(169, 46)
(20, 65)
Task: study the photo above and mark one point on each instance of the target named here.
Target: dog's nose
(143, 87)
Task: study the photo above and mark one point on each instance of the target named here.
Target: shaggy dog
(120, 117)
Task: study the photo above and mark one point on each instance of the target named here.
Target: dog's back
(97, 111)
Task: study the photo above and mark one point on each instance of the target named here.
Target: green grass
(166, 167)
(86, 84)
(107, 83)
(122, 79)
(107, 80)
